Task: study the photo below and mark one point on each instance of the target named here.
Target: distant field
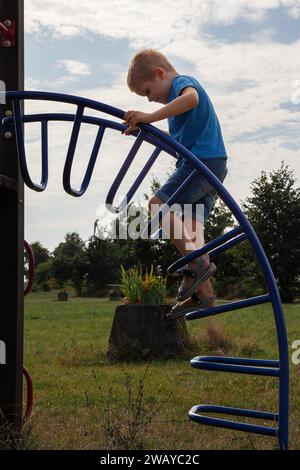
(81, 401)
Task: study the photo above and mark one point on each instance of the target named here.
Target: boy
(192, 122)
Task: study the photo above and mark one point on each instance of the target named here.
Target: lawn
(81, 401)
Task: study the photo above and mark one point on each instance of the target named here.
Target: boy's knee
(154, 203)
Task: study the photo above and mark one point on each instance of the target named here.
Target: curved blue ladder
(163, 142)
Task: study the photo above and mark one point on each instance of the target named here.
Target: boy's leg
(191, 240)
(199, 191)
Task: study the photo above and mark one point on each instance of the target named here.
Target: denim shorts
(200, 191)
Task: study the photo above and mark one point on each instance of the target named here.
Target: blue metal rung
(22, 154)
(206, 312)
(154, 222)
(44, 143)
(8, 124)
(123, 170)
(139, 179)
(237, 365)
(227, 245)
(232, 237)
(89, 171)
(71, 151)
(238, 426)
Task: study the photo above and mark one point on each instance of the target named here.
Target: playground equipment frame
(11, 220)
(272, 368)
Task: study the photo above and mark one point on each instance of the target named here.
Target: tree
(41, 254)
(70, 262)
(80, 268)
(61, 270)
(101, 255)
(43, 274)
(71, 246)
(274, 212)
(42, 261)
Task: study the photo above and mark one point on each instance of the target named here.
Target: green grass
(81, 400)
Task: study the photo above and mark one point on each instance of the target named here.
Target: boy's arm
(187, 100)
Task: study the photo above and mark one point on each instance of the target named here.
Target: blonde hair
(143, 65)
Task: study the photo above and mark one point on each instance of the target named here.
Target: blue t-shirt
(197, 129)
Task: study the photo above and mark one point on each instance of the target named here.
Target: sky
(246, 54)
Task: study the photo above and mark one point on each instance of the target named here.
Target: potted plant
(140, 328)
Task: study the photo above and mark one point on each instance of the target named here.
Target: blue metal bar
(139, 179)
(239, 360)
(44, 140)
(71, 152)
(93, 120)
(158, 234)
(22, 155)
(206, 312)
(232, 234)
(228, 245)
(123, 170)
(65, 98)
(103, 123)
(230, 366)
(90, 167)
(238, 426)
(92, 161)
(266, 415)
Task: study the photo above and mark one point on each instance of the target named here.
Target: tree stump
(143, 331)
(62, 296)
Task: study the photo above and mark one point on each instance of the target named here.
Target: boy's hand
(129, 129)
(134, 117)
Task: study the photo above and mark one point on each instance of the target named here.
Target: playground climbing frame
(13, 152)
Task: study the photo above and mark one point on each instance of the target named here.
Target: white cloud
(247, 81)
(144, 22)
(74, 67)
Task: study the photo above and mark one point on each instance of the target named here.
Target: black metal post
(11, 223)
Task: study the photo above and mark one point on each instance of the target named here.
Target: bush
(46, 287)
(233, 288)
(139, 289)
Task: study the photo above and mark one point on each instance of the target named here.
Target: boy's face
(156, 89)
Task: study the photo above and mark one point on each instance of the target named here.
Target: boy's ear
(160, 72)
